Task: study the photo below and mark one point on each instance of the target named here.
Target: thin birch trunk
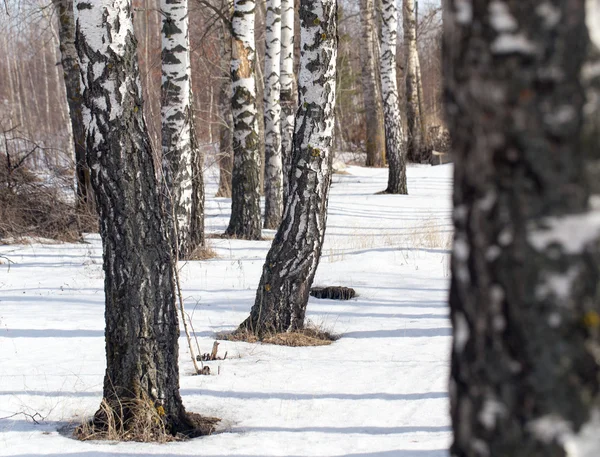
(371, 95)
(394, 138)
(72, 81)
(182, 159)
(225, 158)
(292, 261)
(245, 196)
(272, 110)
(287, 94)
(413, 112)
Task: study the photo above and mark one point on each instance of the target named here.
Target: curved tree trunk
(413, 112)
(525, 372)
(272, 108)
(394, 141)
(182, 159)
(72, 79)
(371, 94)
(292, 261)
(141, 320)
(287, 95)
(245, 185)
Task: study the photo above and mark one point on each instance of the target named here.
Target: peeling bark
(526, 259)
(292, 261)
(142, 328)
(394, 138)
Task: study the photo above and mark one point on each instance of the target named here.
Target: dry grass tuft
(143, 422)
(309, 336)
(205, 252)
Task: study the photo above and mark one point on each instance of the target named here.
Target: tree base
(139, 420)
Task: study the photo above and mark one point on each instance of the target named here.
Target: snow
(379, 391)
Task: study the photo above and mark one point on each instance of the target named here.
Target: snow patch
(513, 44)
(500, 17)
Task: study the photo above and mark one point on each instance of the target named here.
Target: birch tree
(72, 81)
(141, 320)
(182, 158)
(292, 261)
(394, 138)
(245, 189)
(287, 95)
(414, 117)
(526, 259)
(371, 94)
(272, 110)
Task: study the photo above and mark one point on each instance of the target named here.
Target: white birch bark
(288, 100)
(142, 328)
(394, 138)
(292, 261)
(272, 116)
(181, 159)
(245, 191)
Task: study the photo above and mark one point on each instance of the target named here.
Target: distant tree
(394, 138)
(182, 159)
(272, 110)
(287, 94)
(141, 321)
(292, 261)
(245, 192)
(70, 66)
(525, 371)
(375, 143)
(412, 69)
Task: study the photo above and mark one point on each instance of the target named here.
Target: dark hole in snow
(333, 292)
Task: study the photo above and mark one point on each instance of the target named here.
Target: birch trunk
(413, 111)
(394, 138)
(142, 328)
(287, 95)
(524, 293)
(182, 159)
(245, 186)
(272, 109)
(225, 117)
(292, 261)
(72, 79)
(371, 95)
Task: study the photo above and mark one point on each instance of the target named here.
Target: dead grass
(205, 252)
(143, 423)
(311, 335)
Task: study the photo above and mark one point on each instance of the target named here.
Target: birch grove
(524, 292)
(394, 138)
(272, 110)
(181, 156)
(245, 189)
(292, 261)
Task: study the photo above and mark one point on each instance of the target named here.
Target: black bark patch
(333, 292)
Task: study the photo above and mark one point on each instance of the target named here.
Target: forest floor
(378, 391)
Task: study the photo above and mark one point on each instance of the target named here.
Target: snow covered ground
(379, 391)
